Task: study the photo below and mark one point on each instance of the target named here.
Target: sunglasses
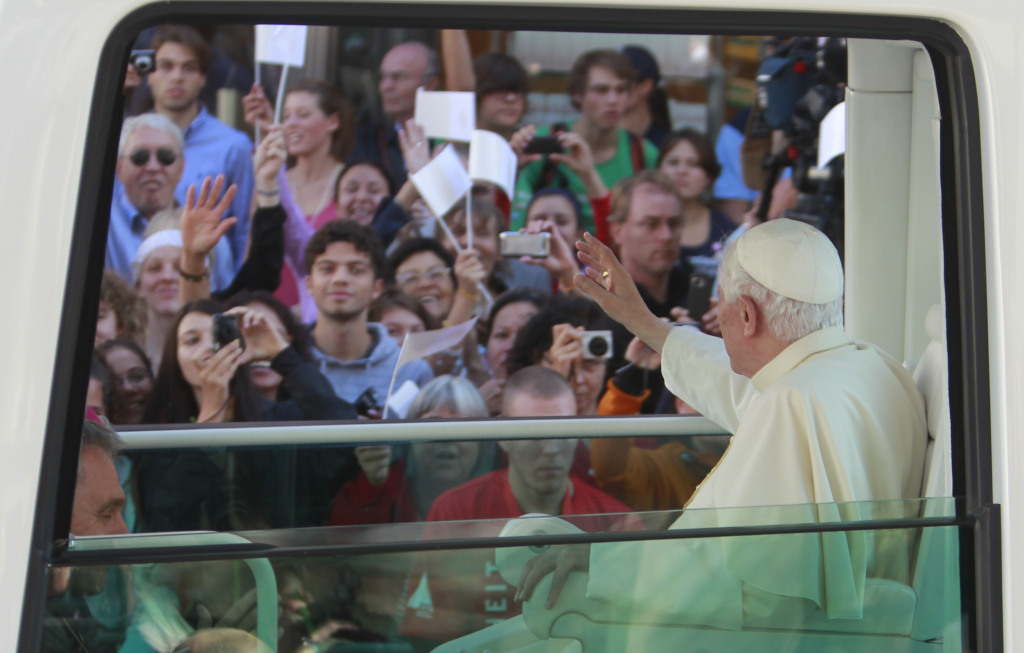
(164, 157)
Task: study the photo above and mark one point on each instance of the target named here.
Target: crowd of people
(316, 243)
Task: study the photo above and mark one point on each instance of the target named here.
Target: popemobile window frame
(963, 250)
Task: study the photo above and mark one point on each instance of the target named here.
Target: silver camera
(514, 243)
(597, 345)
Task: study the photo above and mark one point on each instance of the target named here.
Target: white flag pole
(458, 250)
(257, 126)
(469, 219)
(280, 94)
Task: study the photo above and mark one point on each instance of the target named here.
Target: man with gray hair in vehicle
(150, 162)
(816, 419)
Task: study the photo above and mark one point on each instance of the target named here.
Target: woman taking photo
(225, 489)
(197, 384)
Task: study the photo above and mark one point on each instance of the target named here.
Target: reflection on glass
(857, 590)
(713, 593)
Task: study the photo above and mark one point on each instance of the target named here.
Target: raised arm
(611, 286)
(457, 60)
(201, 228)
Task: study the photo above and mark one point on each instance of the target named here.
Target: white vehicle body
(53, 50)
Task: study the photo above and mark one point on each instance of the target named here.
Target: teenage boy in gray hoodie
(346, 266)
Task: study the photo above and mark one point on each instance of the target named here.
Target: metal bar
(415, 431)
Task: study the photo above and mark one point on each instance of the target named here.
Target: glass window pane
(855, 589)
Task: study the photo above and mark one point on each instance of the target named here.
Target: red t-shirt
(453, 593)
(361, 502)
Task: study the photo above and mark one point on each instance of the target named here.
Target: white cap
(792, 259)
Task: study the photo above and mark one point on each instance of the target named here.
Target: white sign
(281, 44)
(492, 159)
(443, 181)
(832, 135)
(447, 115)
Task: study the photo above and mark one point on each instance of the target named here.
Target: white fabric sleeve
(697, 370)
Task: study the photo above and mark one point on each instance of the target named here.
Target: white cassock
(827, 421)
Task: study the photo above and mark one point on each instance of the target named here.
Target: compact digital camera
(597, 345)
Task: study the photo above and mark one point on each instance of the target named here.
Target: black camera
(597, 345)
(226, 330)
(143, 61)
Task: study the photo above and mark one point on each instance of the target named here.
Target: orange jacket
(644, 479)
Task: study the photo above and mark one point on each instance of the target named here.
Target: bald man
(405, 68)
(817, 419)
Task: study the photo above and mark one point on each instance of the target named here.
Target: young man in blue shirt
(211, 147)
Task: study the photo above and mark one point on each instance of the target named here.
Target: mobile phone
(698, 297)
(366, 402)
(225, 330)
(515, 243)
(144, 61)
(543, 145)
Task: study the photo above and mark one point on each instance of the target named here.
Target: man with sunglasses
(150, 162)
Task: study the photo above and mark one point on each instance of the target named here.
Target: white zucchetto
(792, 259)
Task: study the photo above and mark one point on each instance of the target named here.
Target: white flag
(448, 115)
(281, 44)
(443, 181)
(492, 159)
(416, 346)
(424, 343)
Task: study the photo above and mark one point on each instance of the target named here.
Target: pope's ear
(750, 315)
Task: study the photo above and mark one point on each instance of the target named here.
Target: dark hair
(646, 67)
(110, 386)
(538, 298)
(416, 245)
(354, 161)
(173, 401)
(99, 371)
(535, 338)
(124, 343)
(700, 142)
(557, 192)
(298, 334)
(392, 298)
(129, 308)
(497, 72)
(185, 36)
(616, 62)
(331, 102)
(364, 239)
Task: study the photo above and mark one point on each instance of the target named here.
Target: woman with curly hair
(122, 313)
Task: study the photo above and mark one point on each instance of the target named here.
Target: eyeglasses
(164, 156)
(433, 274)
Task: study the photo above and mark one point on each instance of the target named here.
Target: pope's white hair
(153, 121)
(787, 319)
